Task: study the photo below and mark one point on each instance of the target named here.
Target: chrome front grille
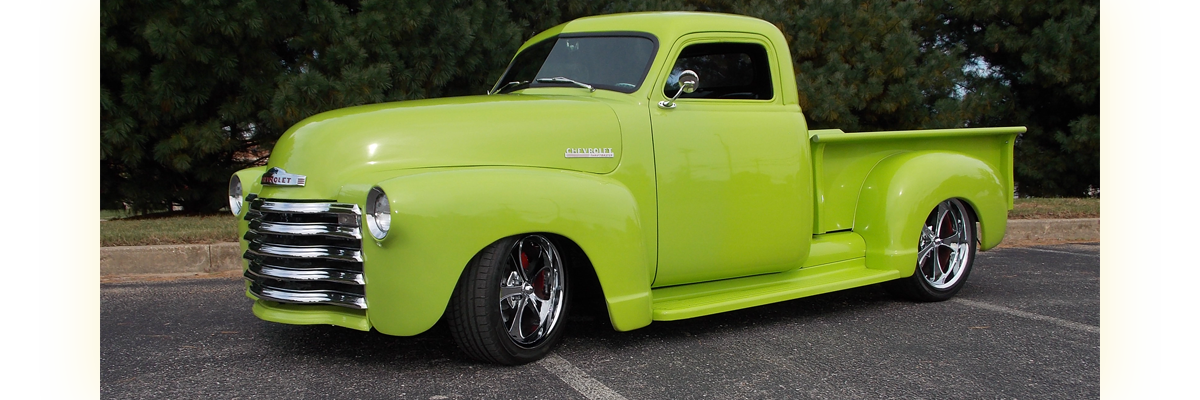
(306, 252)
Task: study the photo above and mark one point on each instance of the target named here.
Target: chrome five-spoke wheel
(945, 251)
(531, 296)
(511, 301)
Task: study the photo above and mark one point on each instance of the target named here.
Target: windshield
(606, 61)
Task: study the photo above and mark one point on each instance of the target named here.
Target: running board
(695, 300)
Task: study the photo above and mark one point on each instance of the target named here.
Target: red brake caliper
(944, 251)
(537, 282)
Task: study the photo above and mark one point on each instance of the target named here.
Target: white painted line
(1023, 314)
(1062, 252)
(579, 380)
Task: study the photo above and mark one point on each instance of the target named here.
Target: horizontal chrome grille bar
(263, 205)
(267, 292)
(306, 229)
(307, 274)
(305, 252)
(303, 264)
(279, 250)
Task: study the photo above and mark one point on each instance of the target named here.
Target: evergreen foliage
(860, 66)
(1035, 64)
(195, 89)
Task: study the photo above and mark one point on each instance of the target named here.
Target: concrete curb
(170, 259)
(224, 257)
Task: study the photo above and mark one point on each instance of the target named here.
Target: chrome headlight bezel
(236, 201)
(379, 213)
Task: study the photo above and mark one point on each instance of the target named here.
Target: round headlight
(235, 195)
(379, 213)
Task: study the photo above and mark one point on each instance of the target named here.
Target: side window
(726, 70)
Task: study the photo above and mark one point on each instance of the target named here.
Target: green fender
(251, 183)
(442, 218)
(902, 189)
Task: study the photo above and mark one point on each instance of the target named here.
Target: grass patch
(140, 231)
(1054, 208)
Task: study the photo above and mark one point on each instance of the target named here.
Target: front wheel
(511, 301)
(945, 252)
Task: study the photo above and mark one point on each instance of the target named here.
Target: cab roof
(665, 26)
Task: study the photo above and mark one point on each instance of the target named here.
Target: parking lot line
(1024, 314)
(1061, 252)
(578, 379)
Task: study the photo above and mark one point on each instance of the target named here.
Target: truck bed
(842, 161)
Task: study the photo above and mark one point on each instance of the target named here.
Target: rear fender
(441, 219)
(902, 189)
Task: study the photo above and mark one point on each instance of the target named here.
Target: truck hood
(329, 149)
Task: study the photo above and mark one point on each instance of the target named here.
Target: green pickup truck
(659, 157)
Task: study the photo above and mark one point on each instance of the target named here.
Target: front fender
(902, 189)
(251, 184)
(442, 218)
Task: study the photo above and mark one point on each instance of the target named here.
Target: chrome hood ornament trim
(278, 177)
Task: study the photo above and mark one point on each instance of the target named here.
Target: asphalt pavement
(1027, 325)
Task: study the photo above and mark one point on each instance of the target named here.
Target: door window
(726, 70)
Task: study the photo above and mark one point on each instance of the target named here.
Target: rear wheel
(945, 253)
(511, 301)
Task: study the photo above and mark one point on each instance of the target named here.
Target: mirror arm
(670, 103)
(688, 81)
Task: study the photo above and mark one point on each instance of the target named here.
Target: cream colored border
(1181, 232)
(1132, 228)
(67, 201)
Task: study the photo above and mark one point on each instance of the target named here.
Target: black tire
(945, 253)
(511, 302)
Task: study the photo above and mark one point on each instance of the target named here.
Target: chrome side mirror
(688, 81)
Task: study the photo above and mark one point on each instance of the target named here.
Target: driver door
(733, 178)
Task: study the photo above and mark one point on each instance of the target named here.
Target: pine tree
(186, 90)
(860, 66)
(196, 89)
(1036, 64)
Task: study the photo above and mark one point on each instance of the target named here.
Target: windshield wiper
(507, 85)
(560, 79)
